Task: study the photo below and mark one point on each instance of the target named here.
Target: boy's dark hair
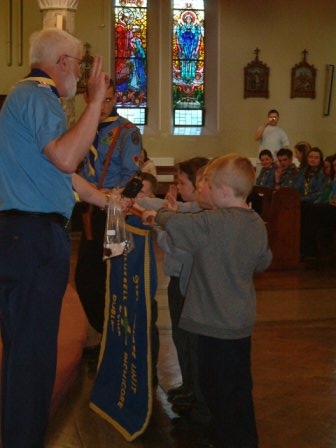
(111, 84)
(145, 154)
(265, 152)
(191, 166)
(273, 111)
(151, 179)
(285, 152)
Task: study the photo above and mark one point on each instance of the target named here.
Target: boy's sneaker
(175, 390)
(186, 423)
(182, 410)
(205, 443)
(179, 395)
(182, 401)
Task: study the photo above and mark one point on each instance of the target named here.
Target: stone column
(61, 14)
(53, 10)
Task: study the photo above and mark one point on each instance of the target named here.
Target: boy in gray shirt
(228, 244)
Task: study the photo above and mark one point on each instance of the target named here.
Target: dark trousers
(34, 271)
(316, 219)
(180, 337)
(90, 275)
(310, 226)
(226, 382)
(186, 344)
(155, 340)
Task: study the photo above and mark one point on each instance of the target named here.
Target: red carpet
(71, 339)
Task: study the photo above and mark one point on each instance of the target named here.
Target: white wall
(281, 30)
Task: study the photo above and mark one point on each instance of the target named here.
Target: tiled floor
(294, 366)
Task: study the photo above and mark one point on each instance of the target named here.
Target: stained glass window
(131, 59)
(188, 63)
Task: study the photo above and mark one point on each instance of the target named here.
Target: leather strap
(110, 151)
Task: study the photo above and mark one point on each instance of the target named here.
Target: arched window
(188, 63)
(130, 26)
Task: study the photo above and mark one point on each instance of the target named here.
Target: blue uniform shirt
(310, 185)
(125, 158)
(266, 177)
(30, 118)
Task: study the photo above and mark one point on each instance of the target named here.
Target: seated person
(301, 150)
(266, 177)
(310, 181)
(328, 169)
(315, 214)
(286, 170)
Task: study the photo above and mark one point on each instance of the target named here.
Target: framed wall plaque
(256, 75)
(303, 79)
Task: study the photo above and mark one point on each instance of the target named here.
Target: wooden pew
(166, 178)
(261, 198)
(281, 211)
(165, 168)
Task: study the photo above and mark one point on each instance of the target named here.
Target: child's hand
(171, 205)
(126, 204)
(172, 190)
(170, 199)
(148, 217)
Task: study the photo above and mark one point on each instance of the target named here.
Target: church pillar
(61, 14)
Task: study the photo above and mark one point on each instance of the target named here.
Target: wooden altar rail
(281, 211)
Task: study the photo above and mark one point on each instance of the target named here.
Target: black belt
(54, 217)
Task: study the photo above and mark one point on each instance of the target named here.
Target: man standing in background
(270, 136)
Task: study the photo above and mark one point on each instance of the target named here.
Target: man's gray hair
(46, 46)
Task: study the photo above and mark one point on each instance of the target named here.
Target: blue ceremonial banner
(122, 392)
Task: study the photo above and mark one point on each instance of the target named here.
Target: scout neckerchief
(93, 153)
(43, 80)
(86, 215)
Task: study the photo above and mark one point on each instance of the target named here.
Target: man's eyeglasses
(80, 61)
